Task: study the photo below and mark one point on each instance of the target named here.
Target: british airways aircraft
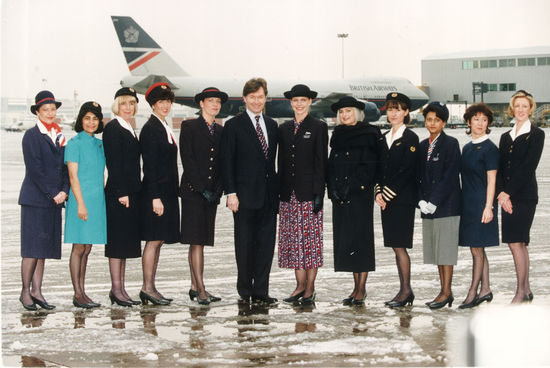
(149, 63)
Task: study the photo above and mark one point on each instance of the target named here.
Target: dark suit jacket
(160, 161)
(245, 170)
(122, 156)
(439, 178)
(45, 171)
(199, 153)
(518, 162)
(302, 159)
(398, 167)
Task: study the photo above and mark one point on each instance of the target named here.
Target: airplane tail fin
(143, 55)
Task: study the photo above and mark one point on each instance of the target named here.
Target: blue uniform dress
(477, 159)
(87, 152)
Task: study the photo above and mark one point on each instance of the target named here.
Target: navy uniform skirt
(41, 232)
(516, 226)
(398, 225)
(123, 234)
(165, 227)
(198, 220)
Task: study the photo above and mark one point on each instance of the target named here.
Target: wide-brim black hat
(300, 90)
(159, 91)
(211, 92)
(43, 98)
(440, 109)
(347, 101)
(127, 91)
(396, 96)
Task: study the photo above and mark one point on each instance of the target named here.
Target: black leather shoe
(359, 302)
(78, 304)
(134, 302)
(31, 307)
(485, 298)
(122, 303)
(213, 298)
(307, 301)
(471, 304)
(530, 296)
(94, 304)
(169, 300)
(205, 301)
(146, 298)
(294, 298)
(43, 304)
(243, 300)
(193, 294)
(347, 301)
(439, 305)
(266, 299)
(396, 303)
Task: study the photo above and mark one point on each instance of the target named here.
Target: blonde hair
(120, 100)
(359, 116)
(522, 94)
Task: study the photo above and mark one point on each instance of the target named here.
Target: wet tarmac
(327, 334)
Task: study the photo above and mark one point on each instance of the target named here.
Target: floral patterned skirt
(300, 235)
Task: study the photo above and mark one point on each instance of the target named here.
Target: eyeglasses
(522, 92)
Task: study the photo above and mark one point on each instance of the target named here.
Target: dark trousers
(254, 246)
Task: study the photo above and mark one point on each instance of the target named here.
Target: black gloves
(210, 196)
(317, 203)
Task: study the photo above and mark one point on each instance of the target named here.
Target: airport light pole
(342, 36)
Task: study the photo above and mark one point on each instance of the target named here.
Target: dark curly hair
(475, 109)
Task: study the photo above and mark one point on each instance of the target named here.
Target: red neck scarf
(51, 126)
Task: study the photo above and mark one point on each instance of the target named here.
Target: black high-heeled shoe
(213, 298)
(359, 302)
(294, 298)
(146, 298)
(78, 304)
(531, 297)
(347, 301)
(134, 302)
(193, 294)
(30, 307)
(439, 305)
(485, 298)
(396, 303)
(308, 300)
(122, 303)
(43, 304)
(473, 303)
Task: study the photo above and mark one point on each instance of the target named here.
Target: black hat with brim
(211, 92)
(300, 90)
(43, 98)
(127, 91)
(347, 101)
(159, 91)
(396, 96)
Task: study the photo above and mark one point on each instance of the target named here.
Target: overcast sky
(67, 45)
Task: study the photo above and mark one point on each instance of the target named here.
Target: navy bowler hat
(396, 96)
(211, 92)
(159, 91)
(440, 109)
(42, 98)
(300, 90)
(127, 91)
(347, 101)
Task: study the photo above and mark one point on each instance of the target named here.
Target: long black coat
(199, 152)
(518, 161)
(438, 178)
(352, 172)
(302, 159)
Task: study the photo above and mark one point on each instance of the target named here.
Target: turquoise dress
(87, 152)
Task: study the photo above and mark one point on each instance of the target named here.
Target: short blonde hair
(359, 116)
(121, 99)
(522, 94)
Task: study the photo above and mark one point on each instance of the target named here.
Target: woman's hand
(158, 207)
(487, 215)
(82, 212)
(125, 201)
(60, 198)
(505, 202)
(233, 202)
(380, 201)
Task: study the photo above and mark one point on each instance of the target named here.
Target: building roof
(523, 51)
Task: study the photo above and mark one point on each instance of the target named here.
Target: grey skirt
(440, 239)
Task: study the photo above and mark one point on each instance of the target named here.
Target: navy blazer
(45, 170)
(245, 169)
(518, 162)
(302, 159)
(122, 156)
(199, 152)
(438, 178)
(160, 161)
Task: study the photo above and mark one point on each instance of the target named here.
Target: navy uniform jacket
(397, 179)
(438, 178)
(160, 161)
(245, 170)
(199, 152)
(518, 162)
(122, 157)
(45, 171)
(302, 159)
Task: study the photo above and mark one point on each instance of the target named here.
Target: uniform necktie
(211, 128)
(261, 136)
(296, 126)
(430, 149)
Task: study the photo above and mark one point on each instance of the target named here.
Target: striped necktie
(261, 136)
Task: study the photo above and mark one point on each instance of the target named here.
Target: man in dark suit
(248, 148)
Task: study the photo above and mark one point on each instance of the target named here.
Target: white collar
(253, 116)
(398, 134)
(483, 138)
(54, 136)
(169, 133)
(123, 123)
(525, 128)
(41, 127)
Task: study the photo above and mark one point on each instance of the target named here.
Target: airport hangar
(492, 76)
